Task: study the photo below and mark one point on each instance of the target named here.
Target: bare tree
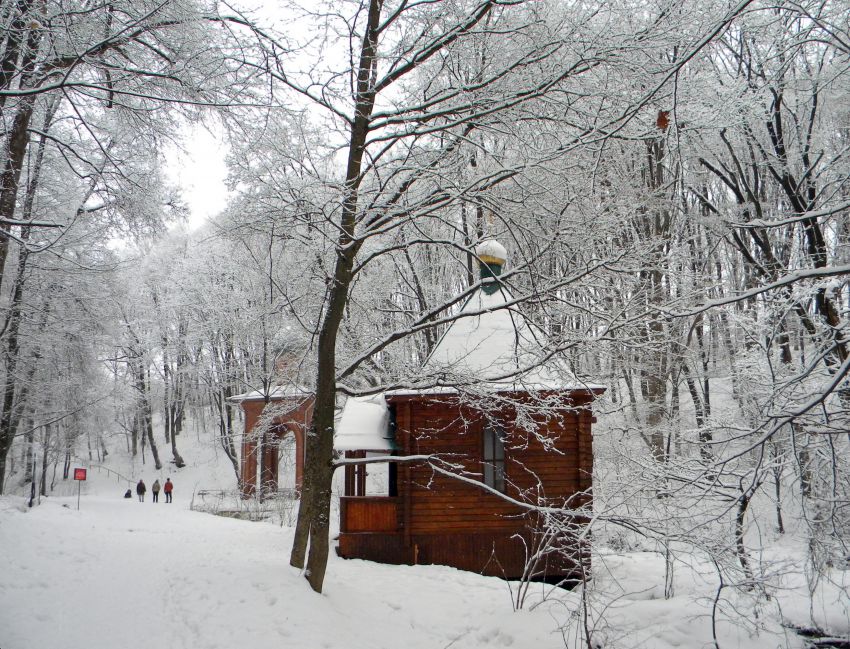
(427, 116)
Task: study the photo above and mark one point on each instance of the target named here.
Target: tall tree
(432, 92)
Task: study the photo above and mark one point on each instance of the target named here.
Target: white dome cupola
(492, 257)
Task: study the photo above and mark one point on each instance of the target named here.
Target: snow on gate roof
(275, 393)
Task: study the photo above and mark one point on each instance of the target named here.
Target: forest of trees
(671, 180)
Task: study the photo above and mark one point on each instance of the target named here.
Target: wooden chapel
(524, 439)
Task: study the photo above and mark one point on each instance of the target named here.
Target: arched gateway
(269, 417)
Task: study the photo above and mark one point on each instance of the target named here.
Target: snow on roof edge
(277, 392)
(364, 425)
(501, 387)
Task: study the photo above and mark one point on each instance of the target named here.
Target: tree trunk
(17, 142)
(176, 408)
(777, 485)
(139, 424)
(145, 414)
(225, 430)
(655, 366)
(42, 488)
(178, 459)
(29, 441)
(134, 436)
(10, 63)
(740, 546)
(166, 403)
(313, 524)
(12, 390)
(148, 429)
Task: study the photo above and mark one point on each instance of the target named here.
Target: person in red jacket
(167, 488)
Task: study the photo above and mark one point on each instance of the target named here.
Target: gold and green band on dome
(489, 259)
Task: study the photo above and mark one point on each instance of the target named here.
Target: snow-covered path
(124, 574)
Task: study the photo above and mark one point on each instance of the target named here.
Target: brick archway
(266, 423)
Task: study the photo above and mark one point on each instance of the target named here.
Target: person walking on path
(140, 490)
(167, 488)
(155, 491)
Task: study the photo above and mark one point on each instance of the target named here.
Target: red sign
(79, 474)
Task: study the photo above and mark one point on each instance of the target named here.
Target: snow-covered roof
(364, 425)
(491, 342)
(275, 393)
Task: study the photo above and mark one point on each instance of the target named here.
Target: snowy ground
(123, 574)
(128, 574)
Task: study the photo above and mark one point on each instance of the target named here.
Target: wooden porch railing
(368, 514)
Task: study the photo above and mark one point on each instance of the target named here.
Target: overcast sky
(200, 171)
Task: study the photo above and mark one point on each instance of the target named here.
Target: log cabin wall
(551, 465)
(445, 521)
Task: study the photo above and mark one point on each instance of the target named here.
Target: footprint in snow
(496, 637)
